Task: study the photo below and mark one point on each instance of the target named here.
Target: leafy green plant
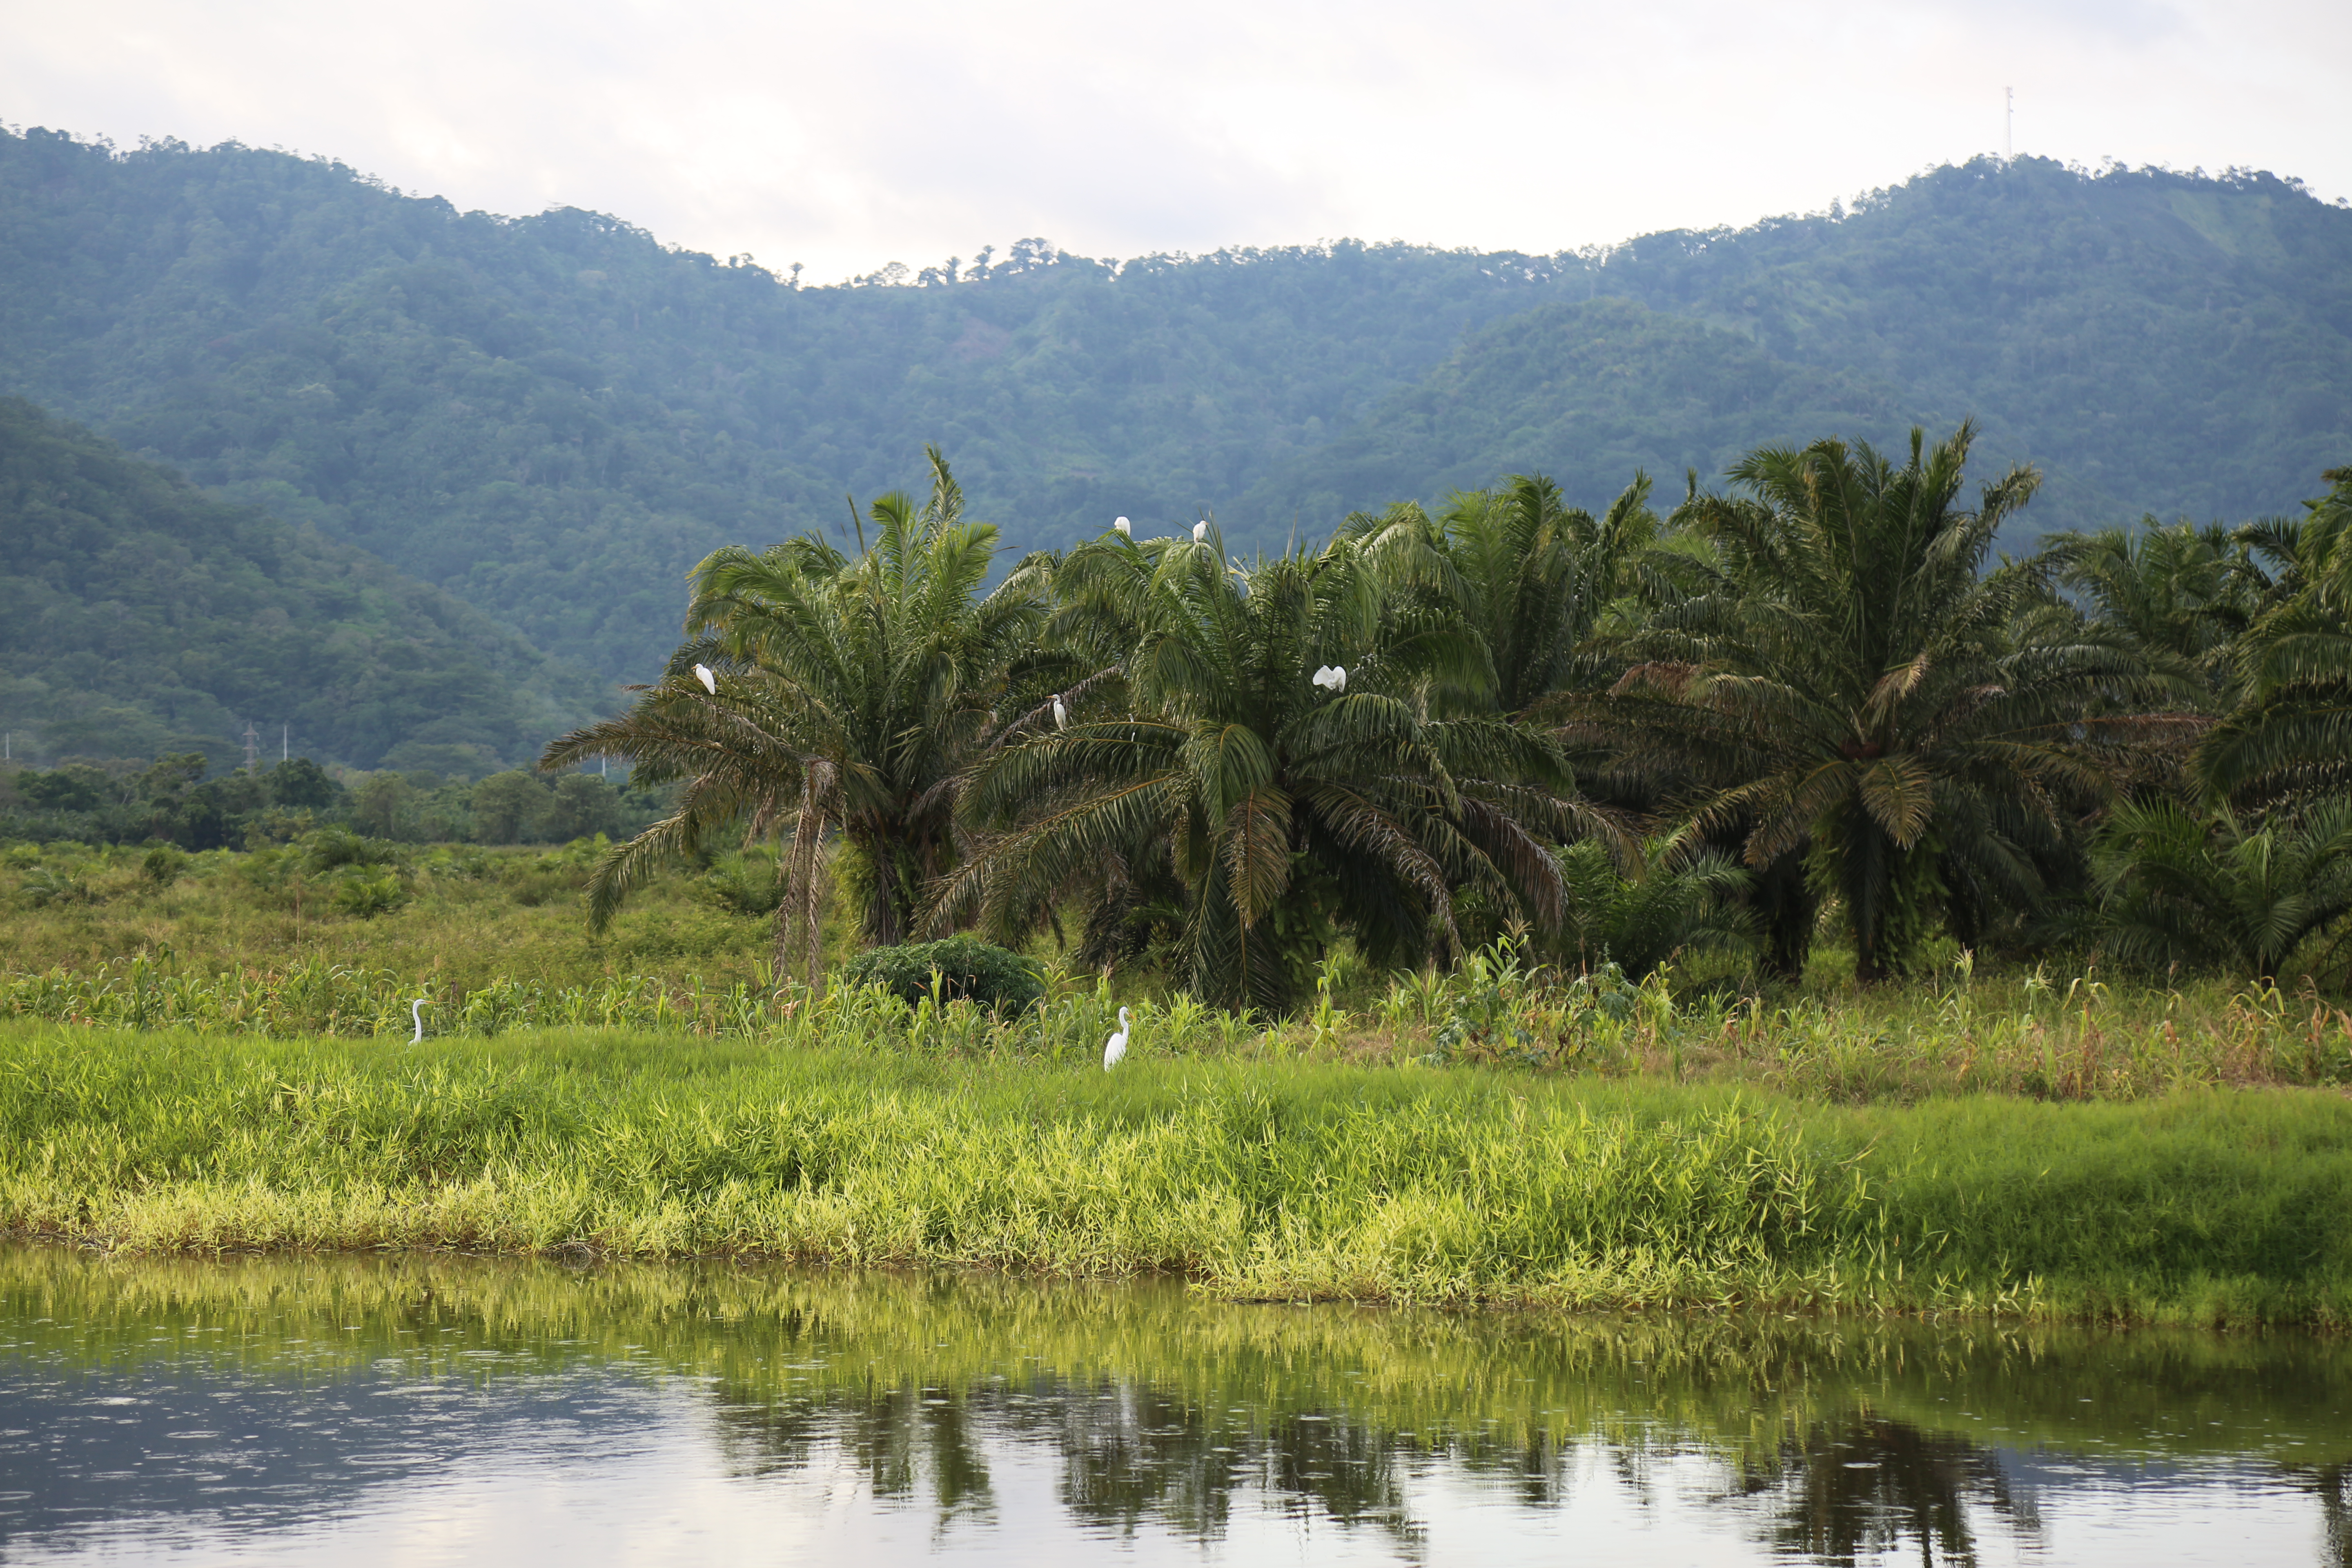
(1682, 896)
(367, 893)
(46, 885)
(2197, 891)
(744, 884)
(328, 850)
(163, 865)
(958, 966)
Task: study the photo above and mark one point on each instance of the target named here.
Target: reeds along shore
(1256, 1178)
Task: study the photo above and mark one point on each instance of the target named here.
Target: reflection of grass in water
(1485, 1385)
(1267, 1178)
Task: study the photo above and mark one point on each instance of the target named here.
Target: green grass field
(220, 1060)
(1254, 1176)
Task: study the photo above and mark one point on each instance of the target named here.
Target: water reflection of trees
(1862, 1485)
(1131, 1455)
(1835, 1490)
(1154, 1405)
(2332, 1485)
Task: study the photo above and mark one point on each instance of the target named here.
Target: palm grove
(1815, 704)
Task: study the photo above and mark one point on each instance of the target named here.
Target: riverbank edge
(1453, 1187)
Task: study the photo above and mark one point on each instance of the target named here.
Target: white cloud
(844, 137)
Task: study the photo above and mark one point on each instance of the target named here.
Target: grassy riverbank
(1256, 1176)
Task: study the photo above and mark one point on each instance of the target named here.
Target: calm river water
(433, 1409)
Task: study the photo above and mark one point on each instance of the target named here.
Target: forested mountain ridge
(554, 417)
(1587, 393)
(144, 617)
(2157, 342)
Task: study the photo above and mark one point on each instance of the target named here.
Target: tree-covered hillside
(555, 417)
(2155, 341)
(143, 616)
(1587, 393)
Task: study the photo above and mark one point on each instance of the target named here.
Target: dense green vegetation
(452, 917)
(1259, 1178)
(555, 417)
(1811, 700)
(143, 617)
(170, 803)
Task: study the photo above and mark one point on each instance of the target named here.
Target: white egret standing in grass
(1201, 531)
(709, 682)
(1124, 527)
(1116, 1047)
(1061, 714)
(416, 1011)
(1331, 677)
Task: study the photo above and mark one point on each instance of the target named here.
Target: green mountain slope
(144, 617)
(1587, 393)
(2157, 342)
(553, 418)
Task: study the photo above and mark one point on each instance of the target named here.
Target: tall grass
(2028, 1034)
(1257, 1177)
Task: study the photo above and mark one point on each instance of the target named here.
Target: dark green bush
(966, 966)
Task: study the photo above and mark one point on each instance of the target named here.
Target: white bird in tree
(709, 682)
(416, 1011)
(1124, 527)
(1116, 1047)
(1201, 531)
(1061, 714)
(1331, 677)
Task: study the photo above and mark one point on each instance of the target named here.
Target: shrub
(46, 885)
(163, 865)
(966, 966)
(330, 848)
(367, 893)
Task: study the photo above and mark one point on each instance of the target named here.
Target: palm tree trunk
(797, 914)
(1785, 899)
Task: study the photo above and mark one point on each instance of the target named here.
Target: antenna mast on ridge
(2009, 124)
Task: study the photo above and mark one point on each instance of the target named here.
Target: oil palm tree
(2216, 890)
(849, 693)
(1268, 810)
(2183, 595)
(1531, 578)
(1679, 895)
(1838, 680)
(2292, 729)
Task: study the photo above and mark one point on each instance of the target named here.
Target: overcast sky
(848, 136)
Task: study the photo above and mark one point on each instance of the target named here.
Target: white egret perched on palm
(1125, 527)
(1116, 1047)
(1201, 531)
(1331, 677)
(709, 682)
(416, 1011)
(1061, 714)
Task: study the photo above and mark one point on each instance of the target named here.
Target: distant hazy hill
(554, 417)
(139, 615)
